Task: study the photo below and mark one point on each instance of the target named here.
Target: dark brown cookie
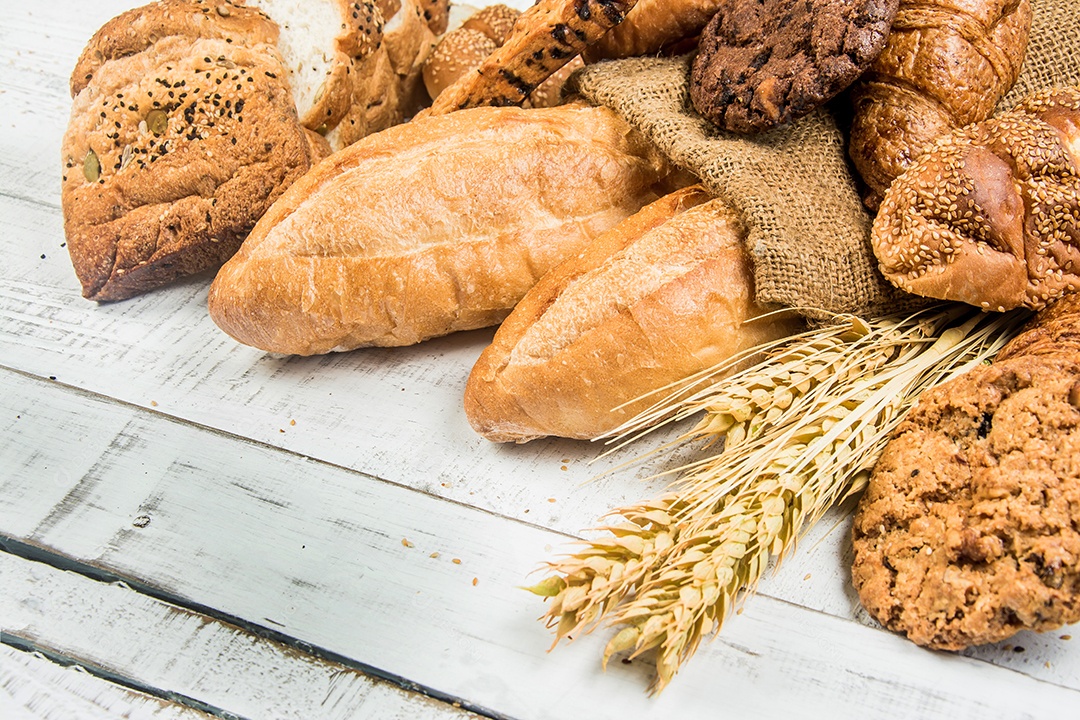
(762, 63)
(970, 528)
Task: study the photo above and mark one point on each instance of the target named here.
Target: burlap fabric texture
(808, 230)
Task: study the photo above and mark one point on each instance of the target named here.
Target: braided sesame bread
(946, 64)
(990, 215)
(182, 133)
(545, 38)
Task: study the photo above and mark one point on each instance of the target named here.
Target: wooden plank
(178, 652)
(35, 688)
(316, 552)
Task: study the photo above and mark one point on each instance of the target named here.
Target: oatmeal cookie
(970, 528)
(762, 63)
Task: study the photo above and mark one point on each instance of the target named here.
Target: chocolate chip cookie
(970, 528)
(762, 63)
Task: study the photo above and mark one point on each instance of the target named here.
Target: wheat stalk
(802, 430)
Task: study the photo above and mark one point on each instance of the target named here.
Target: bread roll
(437, 225)
(946, 64)
(990, 215)
(182, 132)
(663, 295)
(652, 25)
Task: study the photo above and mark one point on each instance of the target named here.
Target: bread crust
(990, 215)
(182, 132)
(946, 64)
(651, 26)
(665, 294)
(437, 225)
(546, 37)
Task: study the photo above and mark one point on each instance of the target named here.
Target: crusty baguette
(665, 294)
(946, 64)
(990, 215)
(437, 225)
(182, 132)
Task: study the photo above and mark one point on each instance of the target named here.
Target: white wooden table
(192, 527)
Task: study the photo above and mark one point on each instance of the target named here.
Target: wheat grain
(801, 431)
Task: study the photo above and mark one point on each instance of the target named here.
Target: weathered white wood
(316, 552)
(35, 688)
(176, 651)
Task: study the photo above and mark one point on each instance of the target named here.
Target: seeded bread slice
(182, 133)
(321, 42)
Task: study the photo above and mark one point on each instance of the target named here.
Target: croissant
(991, 214)
(946, 64)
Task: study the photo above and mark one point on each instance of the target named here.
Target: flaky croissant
(946, 64)
(990, 215)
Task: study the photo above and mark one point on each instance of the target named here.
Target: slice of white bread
(322, 42)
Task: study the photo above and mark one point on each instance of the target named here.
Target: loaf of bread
(946, 64)
(182, 132)
(437, 225)
(990, 215)
(969, 530)
(545, 38)
(665, 294)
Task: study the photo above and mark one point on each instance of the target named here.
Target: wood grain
(328, 557)
(178, 652)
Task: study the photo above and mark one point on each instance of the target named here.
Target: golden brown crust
(990, 215)
(946, 64)
(546, 37)
(661, 296)
(653, 25)
(968, 531)
(437, 225)
(177, 143)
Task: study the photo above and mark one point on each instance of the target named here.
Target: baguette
(438, 225)
(991, 215)
(946, 64)
(665, 294)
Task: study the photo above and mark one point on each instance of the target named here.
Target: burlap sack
(809, 232)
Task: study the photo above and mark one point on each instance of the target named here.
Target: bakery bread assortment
(990, 215)
(968, 531)
(437, 225)
(945, 65)
(182, 133)
(299, 129)
(663, 295)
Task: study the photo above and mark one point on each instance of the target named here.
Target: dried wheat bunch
(801, 430)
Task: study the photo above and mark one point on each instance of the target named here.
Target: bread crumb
(434, 554)
(153, 403)
(407, 543)
(456, 561)
(806, 577)
(475, 581)
(551, 500)
(292, 422)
